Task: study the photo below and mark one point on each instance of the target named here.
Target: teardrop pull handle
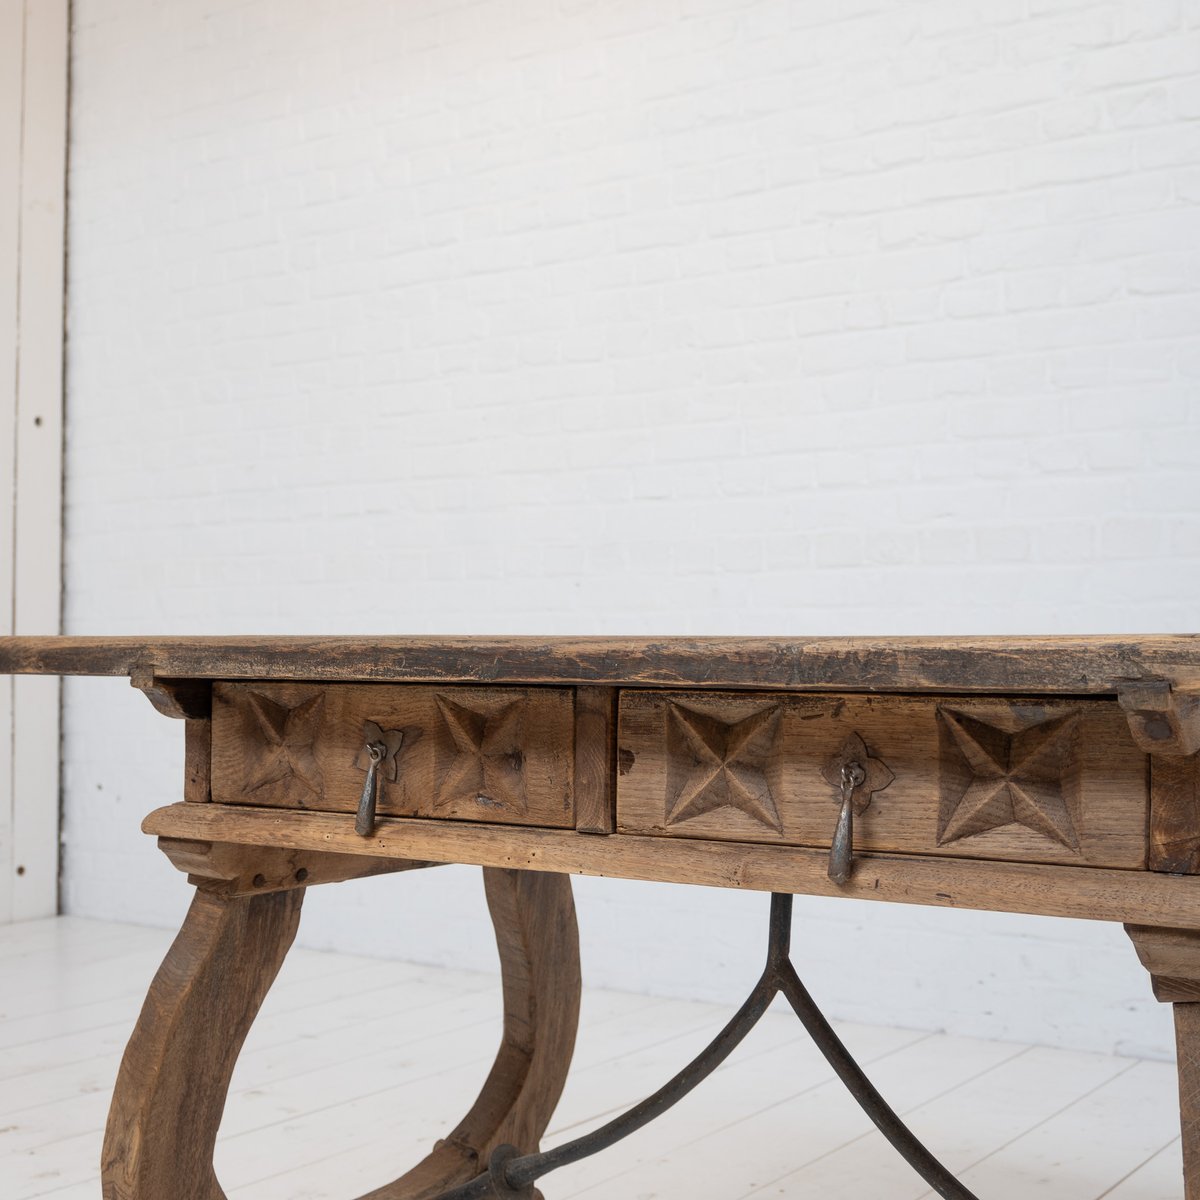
(841, 851)
(364, 821)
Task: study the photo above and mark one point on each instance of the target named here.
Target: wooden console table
(1039, 775)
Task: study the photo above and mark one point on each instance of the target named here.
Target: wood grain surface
(1080, 787)
(1162, 718)
(176, 1070)
(534, 918)
(595, 759)
(1187, 1045)
(234, 871)
(171, 1089)
(1036, 665)
(1141, 897)
(1175, 813)
(197, 760)
(1172, 956)
(502, 753)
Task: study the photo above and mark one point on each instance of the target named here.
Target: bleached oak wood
(501, 753)
(1172, 956)
(1087, 892)
(1092, 782)
(197, 760)
(1014, 782)
(1175, 813)
(1163, 719)
(176, 1071)
(182, 699)
(1077, 666)
(232, 871)
(595, 759)
(170, 1092)
(534, 918)
(1187, 1048)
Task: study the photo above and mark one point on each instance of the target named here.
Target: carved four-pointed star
(289, 734)
(1016, 779)
(716, 764)
(486, 765)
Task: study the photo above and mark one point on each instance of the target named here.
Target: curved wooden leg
(534, 917)
(171, 1088)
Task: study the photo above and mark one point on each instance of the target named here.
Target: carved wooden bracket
(179, 698)
(233, 870)
(1172, 956)
(1162, 718)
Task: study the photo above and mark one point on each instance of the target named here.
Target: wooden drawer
(1025, 780)
(481, 754)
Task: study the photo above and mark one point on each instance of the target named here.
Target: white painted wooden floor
(356, 1065)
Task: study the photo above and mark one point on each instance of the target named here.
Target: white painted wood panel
(1108, 1132)
(1153, 1179)
(962, 1126)
(12, 24)
(34, 35)
(334, 1094)
(37, 605)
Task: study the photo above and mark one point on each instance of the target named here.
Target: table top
(1065, 665)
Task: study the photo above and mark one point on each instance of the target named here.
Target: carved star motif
(288, 736)
(718, 764)
(486, 765)
(1015, 778)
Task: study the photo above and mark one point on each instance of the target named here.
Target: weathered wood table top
(1052, 775)
(1087, 665)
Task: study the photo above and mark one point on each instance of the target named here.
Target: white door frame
(34, 43)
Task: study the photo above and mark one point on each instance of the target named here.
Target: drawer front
(1057, 782)
(479, 754)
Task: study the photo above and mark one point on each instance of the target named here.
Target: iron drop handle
(378, 758)
(364, 821)
(841, 852)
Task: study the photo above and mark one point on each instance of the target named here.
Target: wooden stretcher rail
(1137, 897)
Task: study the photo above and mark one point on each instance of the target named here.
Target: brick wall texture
(665, 316)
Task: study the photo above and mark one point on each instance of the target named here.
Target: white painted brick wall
(742, 316)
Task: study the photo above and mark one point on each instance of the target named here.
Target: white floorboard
(356, 1066)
